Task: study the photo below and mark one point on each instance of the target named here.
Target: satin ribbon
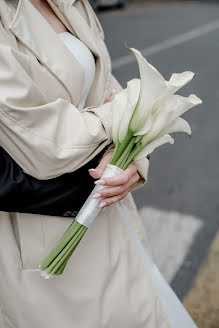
(90, 209)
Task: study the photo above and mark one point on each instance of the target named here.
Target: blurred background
(180, 203)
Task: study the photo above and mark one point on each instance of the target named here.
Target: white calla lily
(119, 105)
(176, 103)
(176, 82)
(186, 103)
(165, 118)
(148, 149)
(152, 86)
(152, 112)
(179, 80)
(178, 125)
(133, 89)
(153, 92)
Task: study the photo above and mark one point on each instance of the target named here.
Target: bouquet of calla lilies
(144, 115)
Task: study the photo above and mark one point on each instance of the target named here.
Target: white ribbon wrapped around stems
(90, 209)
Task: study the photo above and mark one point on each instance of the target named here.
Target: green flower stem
(115, 150)
(77, 238)
(122, 147)
(61, 255)
(134, 153)
(139, 143)
(126, 153)
(73, 228)
(63, 265)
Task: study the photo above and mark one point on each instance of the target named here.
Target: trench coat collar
(29, 26)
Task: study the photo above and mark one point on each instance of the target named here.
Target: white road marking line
(169, 43)
(170, 236)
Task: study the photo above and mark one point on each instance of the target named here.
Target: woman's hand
(118, 187)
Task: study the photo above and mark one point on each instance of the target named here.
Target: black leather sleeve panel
(61, 196)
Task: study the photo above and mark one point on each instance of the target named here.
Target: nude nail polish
(100, 182)
(95, 196)
(102, 205)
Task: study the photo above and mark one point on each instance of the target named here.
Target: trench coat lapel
(34, 31)
(30, 27)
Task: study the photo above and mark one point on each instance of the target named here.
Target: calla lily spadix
(144, 116)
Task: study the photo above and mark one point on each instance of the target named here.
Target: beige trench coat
(105, 284)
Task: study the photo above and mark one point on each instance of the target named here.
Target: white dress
(85, 58)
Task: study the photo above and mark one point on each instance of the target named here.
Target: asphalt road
(183, 184)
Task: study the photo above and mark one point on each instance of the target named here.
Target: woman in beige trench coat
(105, 283)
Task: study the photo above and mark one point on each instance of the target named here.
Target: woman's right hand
(118, 187)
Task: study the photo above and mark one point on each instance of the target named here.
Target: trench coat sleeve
(45, 139)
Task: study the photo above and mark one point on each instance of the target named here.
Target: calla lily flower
(123, 106)
(178, 125)
(152, 112)
(133, 90)
(153, 145)
(153, 85)
(119, 106)
(154, 91)
(179, 80)
(166, 119)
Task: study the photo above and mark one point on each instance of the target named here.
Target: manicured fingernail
(95, 196)
(92, 170)
(102, 205)
(100, 182)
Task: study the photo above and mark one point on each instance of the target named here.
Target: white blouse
(85, 58)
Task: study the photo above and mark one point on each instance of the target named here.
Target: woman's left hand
(118, 186)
